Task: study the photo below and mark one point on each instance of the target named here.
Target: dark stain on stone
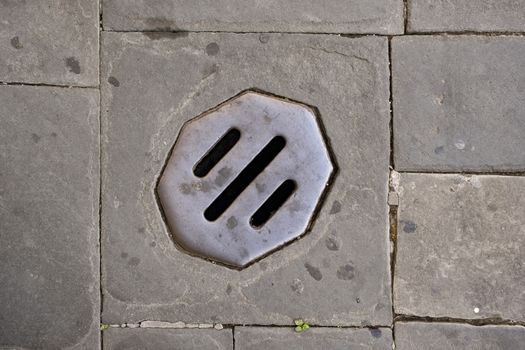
(409, 226)
(229, 289)
(153, 244)
(439, 150)
(73, 65)
(336, 207)
(15, 42)
(223, 176)
(164, 33)
(141, 230)
(35, 138)
(212, 49)
(264, 38)
(332, 243)
(260, 187)
(53, 134)
(231, 223)
(492, 207)
(314, 272)
(376, 332)
(134, 261)
(345, 272)
(114, 81)
(18, 211)
(124, 255)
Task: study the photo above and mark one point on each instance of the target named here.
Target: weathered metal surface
(280, 147)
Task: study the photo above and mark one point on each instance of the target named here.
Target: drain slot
(217, 152)
(273, 203)
(245, 177)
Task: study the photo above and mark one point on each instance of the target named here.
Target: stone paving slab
(452, 336)
(460, 247)
(49, 42)
(338, 274)
(49, 188)
(458, 103)
(167, 339)
(335, 16)
(266, 338)
(466, 15)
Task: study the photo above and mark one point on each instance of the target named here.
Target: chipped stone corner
(394, 189)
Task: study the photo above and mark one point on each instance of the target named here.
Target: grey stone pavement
(419, 242)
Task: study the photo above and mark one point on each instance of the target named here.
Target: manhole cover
(245, 178)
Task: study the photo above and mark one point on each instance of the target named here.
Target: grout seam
(464, 173)
(472, 322)
(100, 29)
(17, 83)
(349, 34)
(406, 14)
(223, 326)
(391, 101)
(397, 318)
(392, 209)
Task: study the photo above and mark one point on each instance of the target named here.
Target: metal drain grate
(245, 178)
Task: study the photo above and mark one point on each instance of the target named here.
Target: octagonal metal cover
(245, 178)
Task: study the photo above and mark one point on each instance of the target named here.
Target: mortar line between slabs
(100, 29)
(233, 338)
(231, 325)
(344, 34)
(62, 86)
(392, 209)
(406, 14)
(472, 322)
(398, 318)
(463, 173)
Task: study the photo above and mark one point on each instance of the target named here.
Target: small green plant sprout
(104, 326)
(301, 326)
